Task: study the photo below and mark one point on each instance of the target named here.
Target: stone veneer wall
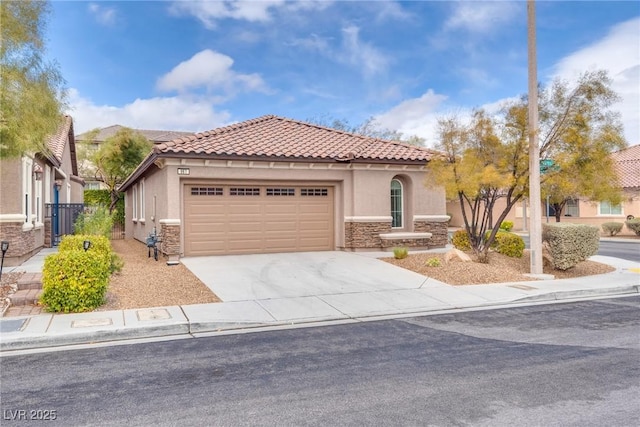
(364, 235)
(425, 243)
(47, 233)
(170, 245)
(21, 243)
(438, 230)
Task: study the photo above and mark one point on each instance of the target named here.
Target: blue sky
(194, 66)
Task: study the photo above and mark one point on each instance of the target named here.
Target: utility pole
(535, 227)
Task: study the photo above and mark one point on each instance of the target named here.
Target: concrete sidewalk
(52, 330)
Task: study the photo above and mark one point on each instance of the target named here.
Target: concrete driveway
(291, 275)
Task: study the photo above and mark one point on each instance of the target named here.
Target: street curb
(582, 293)
(93, 337)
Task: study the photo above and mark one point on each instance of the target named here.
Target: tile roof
(58, 141)
(278, 138)
(156, 136)
(628, 165)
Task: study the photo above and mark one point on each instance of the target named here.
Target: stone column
(170, 230)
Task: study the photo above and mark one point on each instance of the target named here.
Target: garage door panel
(273, 221)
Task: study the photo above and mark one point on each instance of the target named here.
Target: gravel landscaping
(144, 282)
(500, 269)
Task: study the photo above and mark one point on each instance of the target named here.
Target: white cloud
(169, 113)
(416, 116)
(104, 15)
(618, 53)
(481, 17)
(361, 54)
(209, 12)
(211, 70)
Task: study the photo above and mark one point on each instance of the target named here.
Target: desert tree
(32, 98)
(486, 158)
(118, 157)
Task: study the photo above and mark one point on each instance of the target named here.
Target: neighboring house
(90, 143)
(30, 185)
(582, 211)
(273, 184)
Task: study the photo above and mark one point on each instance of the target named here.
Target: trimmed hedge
(612, 228)
(570, 243)
(633, 225)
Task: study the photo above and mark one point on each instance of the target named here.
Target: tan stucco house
(582, 211)
(273, 184)
(31, 184)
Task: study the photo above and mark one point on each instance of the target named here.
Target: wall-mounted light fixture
(183, 171)
(37, 172)
(57, 184)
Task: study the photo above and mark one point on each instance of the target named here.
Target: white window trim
(141, 209)
(621, 214)
(401, 205)
(27, 193)
(134, 203)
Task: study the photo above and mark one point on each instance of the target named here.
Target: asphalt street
(560, 364)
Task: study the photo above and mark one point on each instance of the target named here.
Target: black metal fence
(63, 216)
(117, 232)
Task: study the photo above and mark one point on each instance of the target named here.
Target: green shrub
(99, 244)
(103, 198)
(570, 243)
(98, 223)
(460, 240)
(633, 225)
(506, 225)
(400, 253)
(74, 280)
(509, 244)
(433, 262)
(612, 228)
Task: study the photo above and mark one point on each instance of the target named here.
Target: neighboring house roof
(277, 138)
(628, 165)
(156, 136)
(57, 143)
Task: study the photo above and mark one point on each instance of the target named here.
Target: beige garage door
(249, 219)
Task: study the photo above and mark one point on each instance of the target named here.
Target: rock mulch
(500, 269)
(144, 282)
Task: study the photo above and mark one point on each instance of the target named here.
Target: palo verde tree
(370, 127)
(580, 133)
(32, 95)
(487, 158)
(118, 157)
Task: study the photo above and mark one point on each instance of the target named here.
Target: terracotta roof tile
(628, 164)
(278, 137)
(56, 143)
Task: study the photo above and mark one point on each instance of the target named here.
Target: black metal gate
(63, 216)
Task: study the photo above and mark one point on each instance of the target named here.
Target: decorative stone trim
(170, 235)
(437, 228)
(21, 242)
(365, 235)
(410, 240)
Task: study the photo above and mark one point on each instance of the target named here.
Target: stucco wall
(359, 190)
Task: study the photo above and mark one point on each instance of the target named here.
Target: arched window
(396, 204)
